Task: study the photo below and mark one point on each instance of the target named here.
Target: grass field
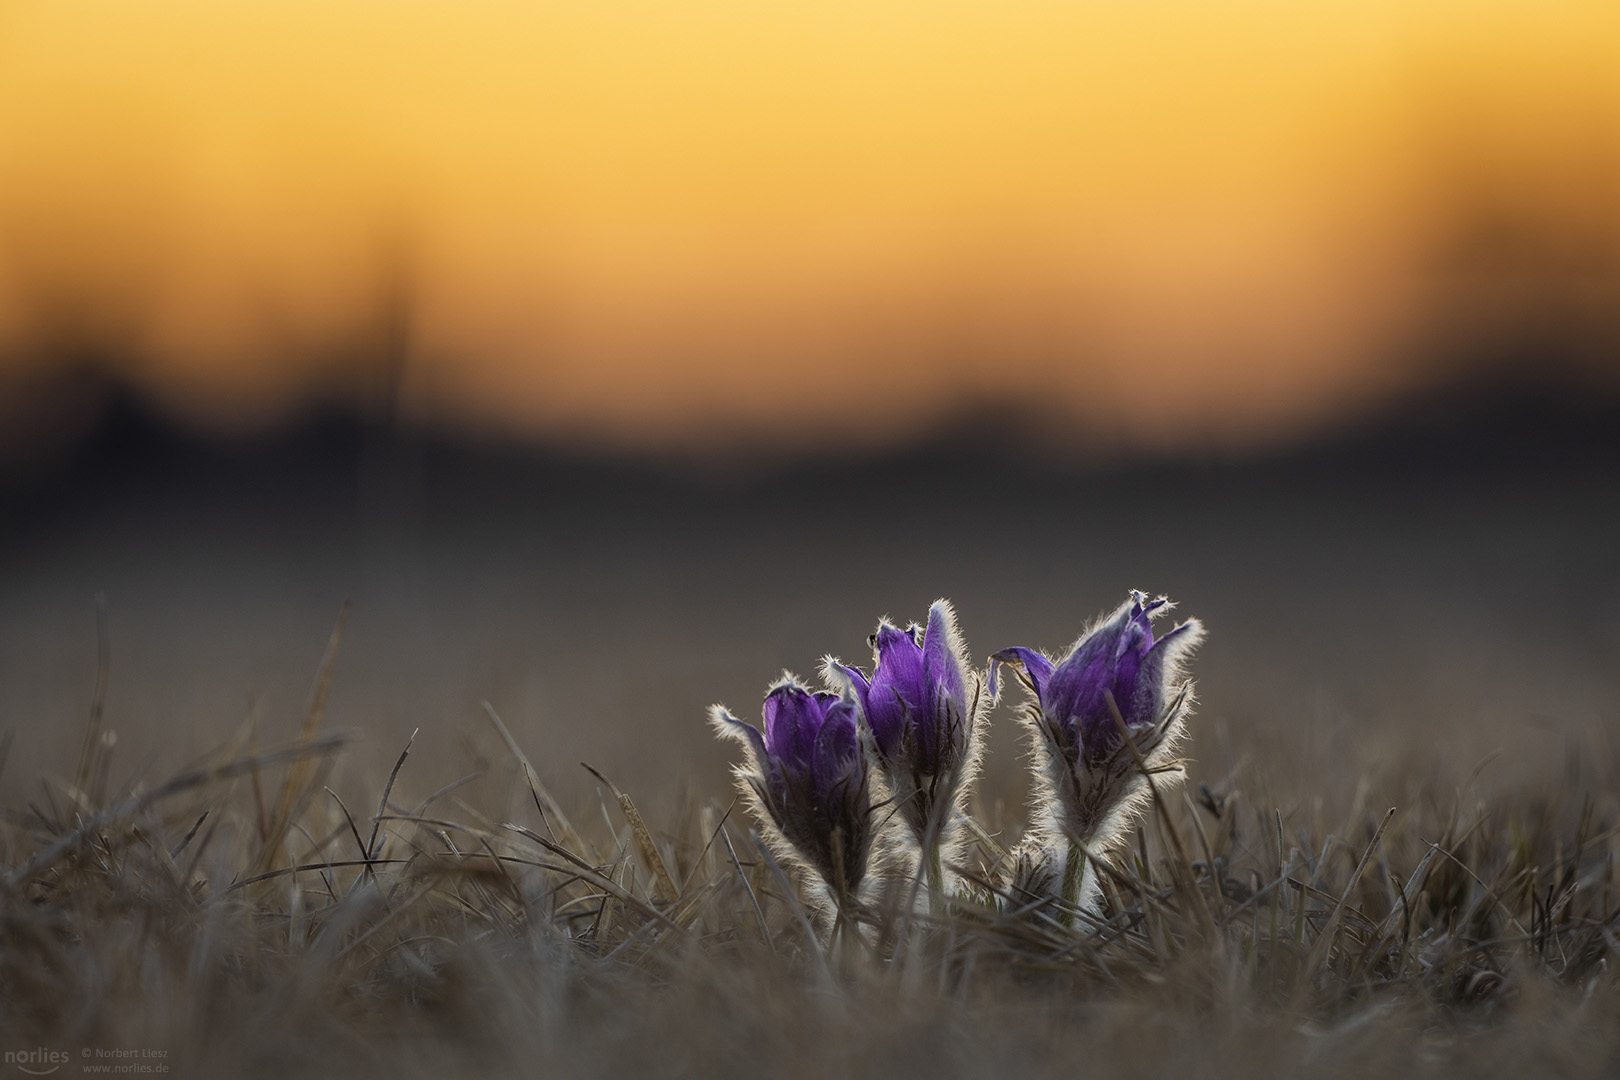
(1394, 853)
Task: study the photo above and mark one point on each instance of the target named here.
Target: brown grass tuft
(454, 942)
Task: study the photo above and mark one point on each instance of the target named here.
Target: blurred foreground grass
(243, 920)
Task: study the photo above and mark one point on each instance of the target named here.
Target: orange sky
(649, 224)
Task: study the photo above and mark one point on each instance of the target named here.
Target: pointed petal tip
(1139, 599)
(944, 659)
(942, 622)
(834, 672)
(786, 681)
(1035, 664)
(727, 726)
(888, 635)
(1188, 635)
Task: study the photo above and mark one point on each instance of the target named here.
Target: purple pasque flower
(810, 777)
(1118, 657)
(916, 706)
(1087, 791)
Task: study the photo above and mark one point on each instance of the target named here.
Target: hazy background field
(1391, 604)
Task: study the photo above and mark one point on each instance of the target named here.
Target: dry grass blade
(753, 900)
(1325, 936)
(1489, 893)
(997, 852)
(191, 834)
(294, 785)
(304, 868)
(183, 782)
(371, 847)
(601, 881)
(551, 814)
(663, 885)
(589, 873)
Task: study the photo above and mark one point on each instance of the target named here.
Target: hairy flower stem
(934, 870)
(1074, 871)
(930, 850)
(840, 944)
(840, 949)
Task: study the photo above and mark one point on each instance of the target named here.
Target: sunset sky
(658, 225)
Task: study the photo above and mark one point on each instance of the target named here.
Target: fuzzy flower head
(920, 711)
(916, 700)
(1119, 657)
(810, 777)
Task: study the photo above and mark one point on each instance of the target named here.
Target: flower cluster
(833, 767)
(923, 722)
(810, 776)
(1116, 683)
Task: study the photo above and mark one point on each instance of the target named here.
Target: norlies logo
(37, 1062)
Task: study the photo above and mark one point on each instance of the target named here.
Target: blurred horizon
(805, 232)
(84, 427)
(1406, 597)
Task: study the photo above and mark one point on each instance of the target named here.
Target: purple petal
(1142, 708)
(886, 713)
(942, 669)
(1077, 683)
(825, 701)
(837, 745)
(1147, 700)
(792, 719)
(857, 678)
(1133, 646)
(1142, 614)
(1035, 665)
(899, 661)
(858, 684)
(896, 692)
(1192, 628)
(725, 723)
